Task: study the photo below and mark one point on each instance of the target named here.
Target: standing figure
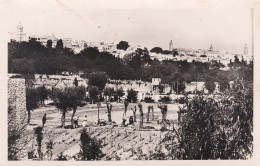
(109, 110)
(84, 121)
(141, 114)
(44, 120)
(76, 121)
(131, 121)
(134, 113)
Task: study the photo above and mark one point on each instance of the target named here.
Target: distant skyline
(226, 30)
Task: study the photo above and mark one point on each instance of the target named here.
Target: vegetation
(32, 101)
(223, 126)
(90, 148)
(39, 137)
(68, 99)
(32, 57)
(132, 96)
(122, 45)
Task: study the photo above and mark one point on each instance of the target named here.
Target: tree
(109, 92)
(49, 44)
(164, 110)
(93, 93)
(59, 44)
(68, 99)
(157, 50)
(223, 126)
(134, 112)
(122, 45)
(32, 101)
(90, 148)
(77, 97)
(43, 93)
(161, 88)
(98, 79)
(23, 66)
(165, 99)
(210, 85)
(141, 114)
(109, 110)
(39, 138)
(131, 96)
(119, 93)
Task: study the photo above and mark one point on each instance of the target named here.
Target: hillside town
(77, 100)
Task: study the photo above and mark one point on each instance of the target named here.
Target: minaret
(20, 33)
(245, 49)
(170, 46)
(211, 48)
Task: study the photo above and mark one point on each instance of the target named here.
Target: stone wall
(17, 99)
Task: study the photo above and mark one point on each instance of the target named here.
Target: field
(118, 143)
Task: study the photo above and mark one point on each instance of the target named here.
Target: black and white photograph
(99, 82)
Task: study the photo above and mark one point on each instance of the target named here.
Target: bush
(132, 96)
(165, 99)
(148, 100)
(222, 125)
(90, 148)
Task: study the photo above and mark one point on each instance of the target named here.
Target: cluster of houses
(143, 88)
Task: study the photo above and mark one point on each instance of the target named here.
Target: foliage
(98, 79)
(109, 92)
(132, 96)
(68, 99)
(148, 100)
(32, 101)
(32, 57)
(43, 93)
(122, 45)
(157, 50)
(165, 99)
(94, 93)
(90, 148)
(161, 88)
(119, 93)
(215, 128)
(39, 138)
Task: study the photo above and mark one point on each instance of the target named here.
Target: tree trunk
(63, 119)
(153, 114)
(109, 116)
(72, 116)
(134, 117)
(29, 117)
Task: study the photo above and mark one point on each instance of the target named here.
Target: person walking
(44, 120)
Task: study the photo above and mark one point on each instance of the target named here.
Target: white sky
(225, 29)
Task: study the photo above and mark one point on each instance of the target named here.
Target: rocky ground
(122, 143)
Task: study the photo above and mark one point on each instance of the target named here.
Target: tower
(170, 46)
(245, 49)
(20, 33)
(211, 48)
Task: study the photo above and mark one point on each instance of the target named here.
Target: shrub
(148, 100)
(165, 99)
(215, 128)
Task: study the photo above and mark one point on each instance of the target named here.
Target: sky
(198, 28)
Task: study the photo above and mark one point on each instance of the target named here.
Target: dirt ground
(124, 143)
